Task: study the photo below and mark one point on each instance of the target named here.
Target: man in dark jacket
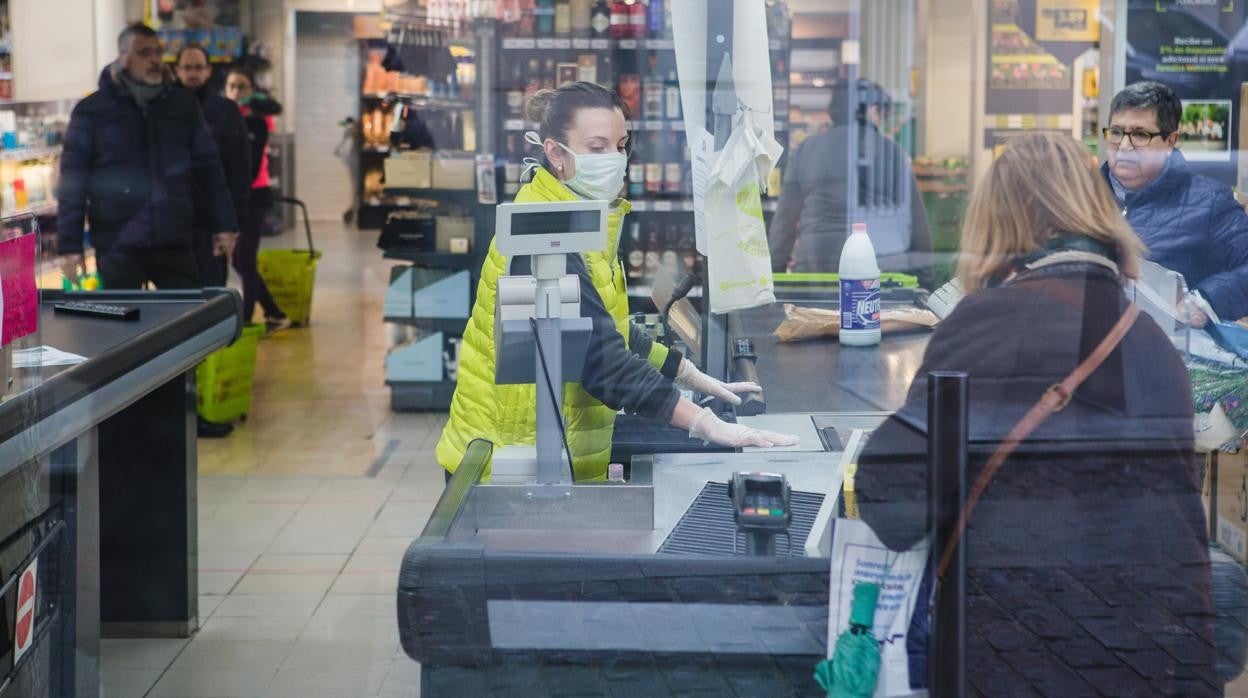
(135, 150)
(815, 200)
(1191, 224)
(229, 133)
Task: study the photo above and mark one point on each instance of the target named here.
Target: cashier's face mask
(596, 176)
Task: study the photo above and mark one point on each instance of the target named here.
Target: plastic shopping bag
(737, 251)
(859, 556)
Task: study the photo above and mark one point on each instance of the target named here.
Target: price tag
(599, 44)
(654, 126)
(563, 43)
(661, 44)
(678, 125)
(513, 125)
(662, 206)
(580, 43)
(512, 43)
(628, 44)
(1014, 121)
(545, 43)
(640, 206)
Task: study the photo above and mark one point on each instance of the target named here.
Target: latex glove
(712, 429)
(72, 266)
(689, 377)
(223, 244)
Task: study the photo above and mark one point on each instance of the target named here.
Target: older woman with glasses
(1190, 223)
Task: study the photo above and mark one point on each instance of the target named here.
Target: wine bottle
(636, 19)
(563, 18)
(544, 14)
(580, 17)
(671, 96)
(600, 20)
(619, 20)
(636, 253)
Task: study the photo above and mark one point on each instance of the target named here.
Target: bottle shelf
(419, 101)
(600, 44)
(513, 125)
(30, 153)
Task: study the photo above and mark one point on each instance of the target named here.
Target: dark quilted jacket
(134, 174)
(1193, 225)
(1087, 557)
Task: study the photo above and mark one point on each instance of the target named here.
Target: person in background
(1090, 541)
(584, 141)
(137, 157)
(229, 133)
(1190, 223)
(814, 199)
(258, 111)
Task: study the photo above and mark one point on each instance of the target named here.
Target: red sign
(26, 595)
(19, 291)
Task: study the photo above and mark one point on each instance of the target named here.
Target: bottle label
(860, 304)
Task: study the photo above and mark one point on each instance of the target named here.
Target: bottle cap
(858, 228)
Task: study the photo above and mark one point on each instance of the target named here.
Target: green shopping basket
(223, 380)
(291, 274)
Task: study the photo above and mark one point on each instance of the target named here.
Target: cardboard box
(1230, 507)
(454, 171)
(410, 170)
(452, 228)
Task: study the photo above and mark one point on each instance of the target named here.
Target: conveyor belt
(822, 376)
(707, 527)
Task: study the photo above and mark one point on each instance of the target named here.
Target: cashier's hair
(1042, 187)
(554, 111)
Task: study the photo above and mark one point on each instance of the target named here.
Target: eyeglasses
(1114, 135)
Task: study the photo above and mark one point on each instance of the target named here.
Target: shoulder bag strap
(1054, 399)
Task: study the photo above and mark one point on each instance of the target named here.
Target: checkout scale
(695, 569)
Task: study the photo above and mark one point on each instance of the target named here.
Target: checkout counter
(643, 587)
(97, 485)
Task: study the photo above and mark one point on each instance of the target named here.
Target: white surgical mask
(597, 176)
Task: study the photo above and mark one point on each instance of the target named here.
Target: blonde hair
(1042, 186)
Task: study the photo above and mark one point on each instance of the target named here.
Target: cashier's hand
(223, 245)
(72, 266)
(712, 429)
(690, 378)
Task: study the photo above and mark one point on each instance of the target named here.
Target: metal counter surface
(126, 359)
(820, 375)
(678, 478)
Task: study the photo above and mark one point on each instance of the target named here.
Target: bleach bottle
(860, 290)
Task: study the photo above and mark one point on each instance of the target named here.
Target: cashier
(584, 149)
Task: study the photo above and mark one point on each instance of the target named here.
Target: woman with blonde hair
(1087, 554)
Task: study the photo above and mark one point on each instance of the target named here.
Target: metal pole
(550, 459)
(947, 456)
(719, 28)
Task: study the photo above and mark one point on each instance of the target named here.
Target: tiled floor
(304, 515)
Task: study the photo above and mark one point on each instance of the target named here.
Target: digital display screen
(555, 222)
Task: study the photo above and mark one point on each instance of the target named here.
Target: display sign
(1032, 53)
(1068, 20)
(27, 594)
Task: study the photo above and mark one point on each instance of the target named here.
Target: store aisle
(304, 514)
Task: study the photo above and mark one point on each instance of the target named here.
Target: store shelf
(583, 44)
(375, 149)
(420, 101)
(642, 125)
(681, 206)
(648, 291)
(412, 395)
(45, 209)
(394, 192)
(435, 260)
(29, 153)
(451, 326)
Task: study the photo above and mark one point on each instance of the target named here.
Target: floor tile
(234, 655)
(357, 606)
(386, 583)
(236, 628)
(139, 653)
(213, 683)
(127, 683)
(274, 563)
(207, 606)
(403, 679)
(218, 583)
(384, 545)
(269, 605)
(263, 583)
(339, 682)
